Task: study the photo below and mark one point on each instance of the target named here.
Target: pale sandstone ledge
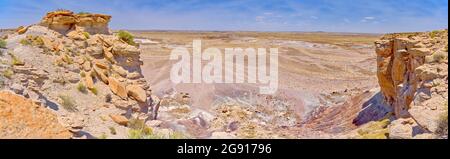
(63, 21)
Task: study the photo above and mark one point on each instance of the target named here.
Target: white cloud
(260, 18)
(367, 19)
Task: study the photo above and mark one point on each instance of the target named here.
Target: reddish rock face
(21, 118)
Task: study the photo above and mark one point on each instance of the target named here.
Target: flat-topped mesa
(64, 21)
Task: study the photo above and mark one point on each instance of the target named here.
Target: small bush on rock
(83, 74)
(87, 35)
(25, 42)
(16, 61)
(442, 129)
(94, 91)
(126, 36)
(8, 73)
(81, 88)
(68, 103)
(2, 44)
(112, 130)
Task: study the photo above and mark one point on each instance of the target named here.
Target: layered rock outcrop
(72, 66)
(412, 70)
(64, 21)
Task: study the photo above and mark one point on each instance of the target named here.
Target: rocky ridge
(64, 21)
(71, 65)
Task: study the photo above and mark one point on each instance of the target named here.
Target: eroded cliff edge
(71, 65)
(412, 70)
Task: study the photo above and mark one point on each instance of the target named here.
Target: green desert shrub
(16, 61)
(82, 88)
(112, 130)
(442, 129)
(434, 33)
(134, 123)
(87, 35)
(144, 133)
(375, 130)
(83, 13)
(94, 90)
(83, 74)
(8, 73)
(2, 44)
(37, 41)
(177, 135)
(138, 130)
(126, 36)
(103, 136)
(25, 42)
(68, 103)
(443, 125)
(68, 59)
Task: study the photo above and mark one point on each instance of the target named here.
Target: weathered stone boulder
(137, 93)
(89, 82)
(101, 64)
(61, 21)
(101, 74)
(21, 29)
(119, 119)
(76, 34)
(401, 129)
(117, 88)
(119, 70)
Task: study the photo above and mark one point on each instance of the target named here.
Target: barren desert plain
(71, 76)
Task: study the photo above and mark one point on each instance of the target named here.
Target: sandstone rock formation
(64, 21)
(413, 75)
(21, 118)
(71, 65)
(119, 119)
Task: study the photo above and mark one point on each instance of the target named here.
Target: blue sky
(371, 16)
